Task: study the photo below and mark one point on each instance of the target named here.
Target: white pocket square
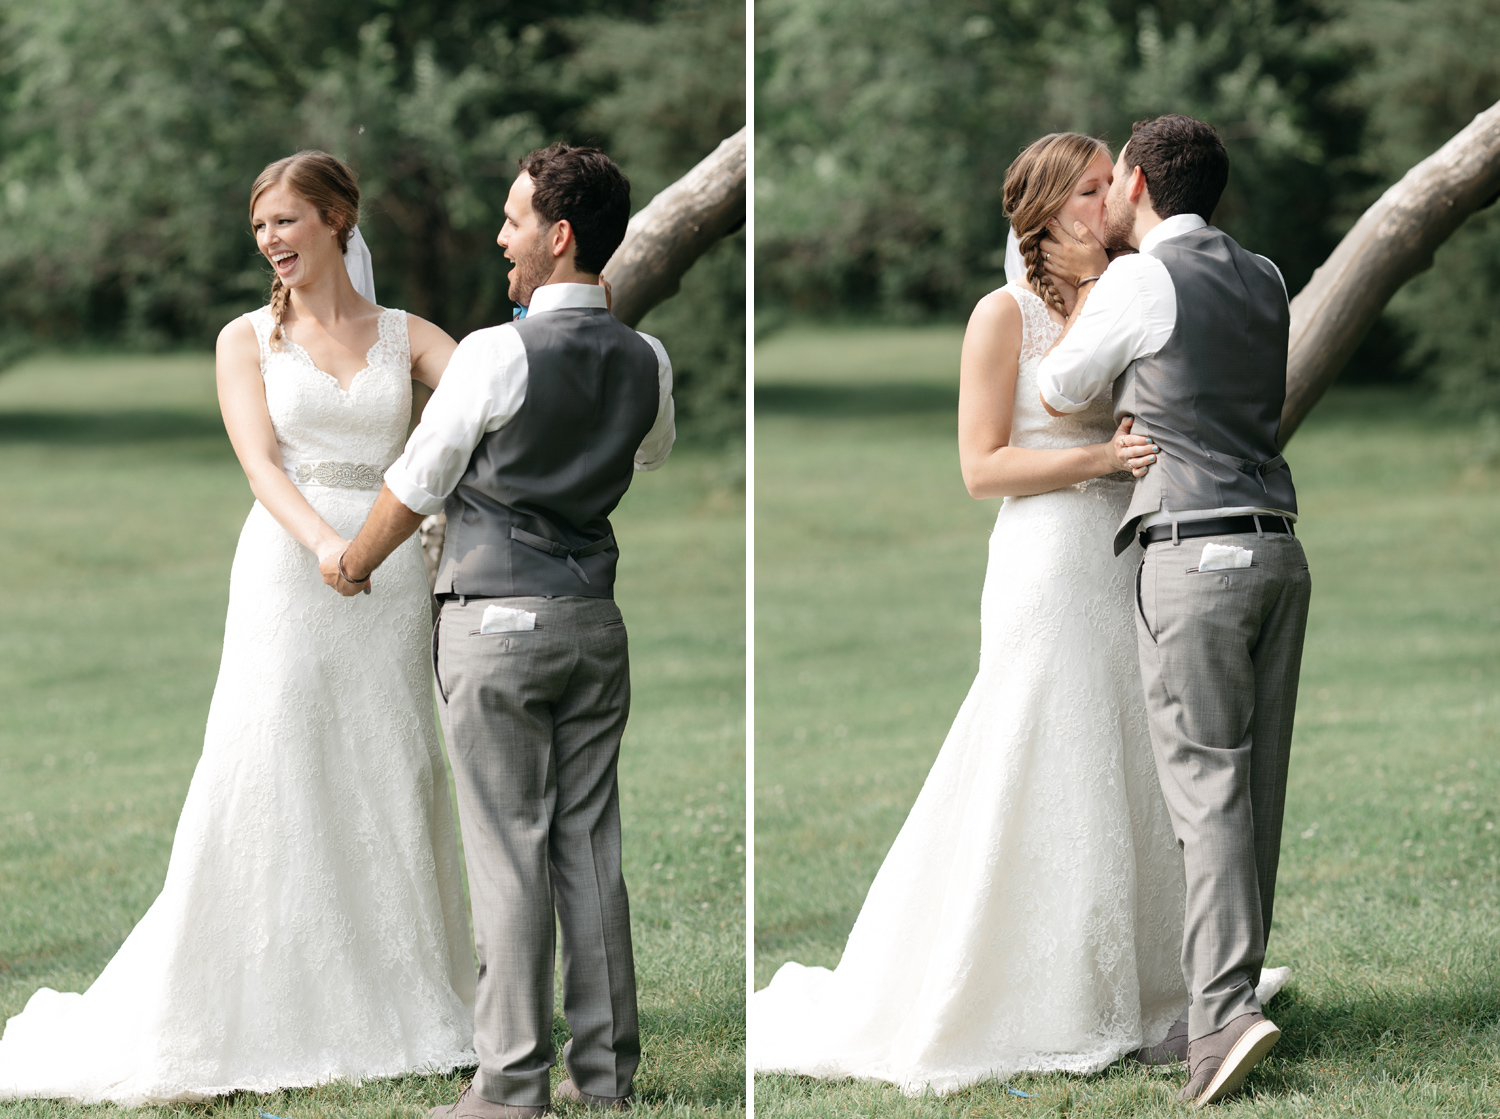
(506, 619)
(1224, 557)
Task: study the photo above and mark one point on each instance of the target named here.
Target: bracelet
(344, 575)
(1087, 280)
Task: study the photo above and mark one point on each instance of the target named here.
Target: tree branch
(1391, 243)
(675, 228)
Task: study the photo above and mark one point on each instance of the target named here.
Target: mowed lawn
(869, 563)
(120, 506)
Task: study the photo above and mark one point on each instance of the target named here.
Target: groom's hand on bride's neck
(1072, 257)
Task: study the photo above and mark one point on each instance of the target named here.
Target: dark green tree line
(884, 131)
(132, 129)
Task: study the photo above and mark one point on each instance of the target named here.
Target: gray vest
(530, 516)
(1211, 397)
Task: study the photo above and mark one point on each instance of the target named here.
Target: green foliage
(130, 131)
(1425, 70)
(884, 131)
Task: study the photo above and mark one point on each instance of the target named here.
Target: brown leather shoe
(1173, 1050)
(1221, 1061)
(471, 1105)
(569, 1091)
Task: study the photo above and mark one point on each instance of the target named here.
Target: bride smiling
(312, 925)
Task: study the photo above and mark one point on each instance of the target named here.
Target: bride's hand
(329, 552)
(1134, 453)
(1071, 257)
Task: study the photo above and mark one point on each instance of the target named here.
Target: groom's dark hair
(585, 188)
(1184, 162)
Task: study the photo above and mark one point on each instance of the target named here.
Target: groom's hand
(1071, 257)
(329, 559)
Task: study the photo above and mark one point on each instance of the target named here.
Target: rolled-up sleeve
(481, 391)
(1130, 313)
(657, 445)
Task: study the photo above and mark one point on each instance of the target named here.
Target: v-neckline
(384, 311)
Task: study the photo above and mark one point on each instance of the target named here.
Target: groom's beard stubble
(1119, 223)
(528, 273)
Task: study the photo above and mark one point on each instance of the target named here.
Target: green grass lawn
(869, 563)
(120, 505)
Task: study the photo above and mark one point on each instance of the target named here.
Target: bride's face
(1086, 203)
(292, 235)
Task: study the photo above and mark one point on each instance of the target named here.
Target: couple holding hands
(312, 925)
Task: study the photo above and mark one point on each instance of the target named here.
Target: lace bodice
(1031, 426)
(316, 421)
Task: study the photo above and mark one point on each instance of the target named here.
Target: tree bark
(677, 227)
(1391, 243)
(664, 239)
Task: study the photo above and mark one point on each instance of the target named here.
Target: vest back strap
(562, 551)
(1257, 470)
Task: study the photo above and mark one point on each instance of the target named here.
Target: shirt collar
(556, 297)
(1174, 226)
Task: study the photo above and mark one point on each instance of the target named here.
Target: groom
(1198, 328)
(529, 442)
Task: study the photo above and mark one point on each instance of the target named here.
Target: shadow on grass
(855, 400)
(1402, 1033)
(110, 428)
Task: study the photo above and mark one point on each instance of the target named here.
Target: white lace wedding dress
(312, 925)
(1029, 915)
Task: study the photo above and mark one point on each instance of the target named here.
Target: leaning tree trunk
(663, 241)
(677, 227)
(1391, 243)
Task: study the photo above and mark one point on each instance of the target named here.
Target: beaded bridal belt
(326, 472)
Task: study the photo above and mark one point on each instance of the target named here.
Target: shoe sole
(1244, 1056)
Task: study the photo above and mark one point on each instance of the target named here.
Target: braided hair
(329, 184)
(1036, 186)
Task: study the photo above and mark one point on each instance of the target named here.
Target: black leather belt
(1216, 526)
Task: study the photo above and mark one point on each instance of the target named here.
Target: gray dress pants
(533, 722)
(1220, 653)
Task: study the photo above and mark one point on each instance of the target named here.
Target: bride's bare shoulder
(997, 313)
(237, 338)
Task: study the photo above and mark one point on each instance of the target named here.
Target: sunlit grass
(869, 563)
(120, 505)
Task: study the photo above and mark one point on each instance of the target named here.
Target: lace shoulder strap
(393, 349)
(1036, 325)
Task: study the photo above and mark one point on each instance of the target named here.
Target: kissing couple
(312, 925)
(1089, 870)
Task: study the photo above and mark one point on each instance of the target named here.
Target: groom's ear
(560, 239)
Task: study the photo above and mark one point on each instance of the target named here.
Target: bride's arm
(242, 399)
(431, 347)
(986, 406)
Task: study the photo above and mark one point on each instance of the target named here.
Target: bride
(312, 925)
(1029, 916)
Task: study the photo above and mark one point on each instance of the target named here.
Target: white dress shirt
(1130, 314)
(482, 390)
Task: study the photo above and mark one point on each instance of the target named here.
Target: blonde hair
(329, 184)
(1036, 186)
